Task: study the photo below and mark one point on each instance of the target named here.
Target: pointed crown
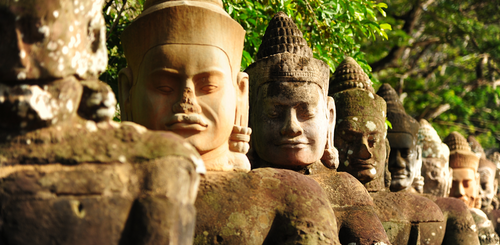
(353, 93)
(396, 114)
(349, 74)
(432, 146)
(461, 155)
(197, 22)
(285, 56)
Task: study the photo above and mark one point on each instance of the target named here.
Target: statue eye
(165, 89)
(209, 88)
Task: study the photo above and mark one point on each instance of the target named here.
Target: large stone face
(185, 78)
(51, 39)
(293, 121)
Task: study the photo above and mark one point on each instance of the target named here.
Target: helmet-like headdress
(400, 120)
(432, 146)
(461, 155)
(353, 92)
(285, 56)
(183, 22)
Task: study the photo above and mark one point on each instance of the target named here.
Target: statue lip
(292, 143)
(399, 175)
(363, 164)
(186, 122)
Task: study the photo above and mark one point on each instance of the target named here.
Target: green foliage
(333, 28)
(117, 16)
(449, 56)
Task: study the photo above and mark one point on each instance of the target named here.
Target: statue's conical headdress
(353, 93)
(349, 75)
(461, 155)
(432, 146)
(285, 56)
(396, 114)
(183, 22)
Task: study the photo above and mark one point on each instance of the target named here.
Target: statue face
(186, 89)
(361, 145)
(487, 187)
(43, 41)
(437, 176)
(402, 160)
(290, 123)
(464, 185)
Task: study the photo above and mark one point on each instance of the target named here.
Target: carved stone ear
(242, 107)
(330, 157)
(125, 82)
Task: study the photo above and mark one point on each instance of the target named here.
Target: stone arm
(354, 209)
(264, 206)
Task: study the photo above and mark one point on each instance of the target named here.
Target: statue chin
(400, 184)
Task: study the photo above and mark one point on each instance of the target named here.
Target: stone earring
(239, 139)
(330, 158)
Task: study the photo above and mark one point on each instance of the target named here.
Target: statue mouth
(186, 122)
(398, 176)
(294, 144)
(363, 164)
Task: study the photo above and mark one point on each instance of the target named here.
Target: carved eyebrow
(166, 72)
(211, 72)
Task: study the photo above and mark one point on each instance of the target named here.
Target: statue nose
(459, 190)
(187, 103)
(400, 162)
(364, 151)
(291, 126)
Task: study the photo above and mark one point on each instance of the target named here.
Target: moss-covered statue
(293, 121)
(184, 76)
(68, 173)
(360, 137)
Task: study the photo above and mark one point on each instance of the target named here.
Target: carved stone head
(435, 157)
(487, 182)
(184, 76)
(487, 186)
(360, 133)
(476, 147)
(46, 47)
(290, 113)
(405, 156)
(464, 164)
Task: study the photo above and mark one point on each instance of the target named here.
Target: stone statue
(360, 137)
(185, 77)
(435, 156)
(68, 173)
(465, 178)
(405, 152)
(206, 102)
(487, 185)
(293, 121)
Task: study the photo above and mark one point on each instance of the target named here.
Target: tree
(442, 57)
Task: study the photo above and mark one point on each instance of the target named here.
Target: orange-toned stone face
(290, 123)
(186, 89)
(464, 185)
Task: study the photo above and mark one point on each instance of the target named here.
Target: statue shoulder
(406, 206)
(343, 189)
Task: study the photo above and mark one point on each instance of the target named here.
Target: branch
(437, 111)
(119, 14)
